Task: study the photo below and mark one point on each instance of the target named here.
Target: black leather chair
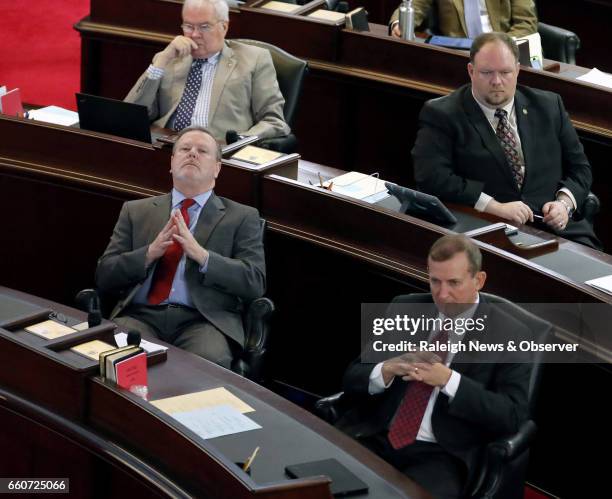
(558, 44)
(290, 72)
(256, 319)
(505, 461)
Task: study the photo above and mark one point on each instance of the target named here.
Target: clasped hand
(176, 230)
(421, 366)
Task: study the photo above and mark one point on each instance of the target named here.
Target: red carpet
(40, 52)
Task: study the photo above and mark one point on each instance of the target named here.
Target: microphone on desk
(133, 338)
(231, 136)
(94, 315)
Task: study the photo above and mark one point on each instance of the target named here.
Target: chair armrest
(329, 408)
(286, 144)
(589, 208)
(511, 447)
(506, 460)
(256, 329)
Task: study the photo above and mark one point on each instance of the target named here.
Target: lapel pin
(524, 111)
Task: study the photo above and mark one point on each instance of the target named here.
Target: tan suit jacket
(515, 17)
(245, 95)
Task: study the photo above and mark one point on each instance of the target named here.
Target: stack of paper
(209, 413)
(359, 186)
(56, 115)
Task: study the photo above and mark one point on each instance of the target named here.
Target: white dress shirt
(377, 384)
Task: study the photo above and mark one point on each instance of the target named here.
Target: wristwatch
(568, 207)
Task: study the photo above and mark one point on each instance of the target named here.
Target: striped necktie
(507, 140)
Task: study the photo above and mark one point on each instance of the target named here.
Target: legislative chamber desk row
(61, 190)
(66, 421)
(362, 95)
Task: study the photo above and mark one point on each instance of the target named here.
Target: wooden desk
(148, 450)
(325, 256)
(361, 99)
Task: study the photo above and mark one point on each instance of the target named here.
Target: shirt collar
(468, 314)
(490, 112)
(178, 196)
(213, 59)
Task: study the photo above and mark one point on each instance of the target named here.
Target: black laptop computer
(115, 117)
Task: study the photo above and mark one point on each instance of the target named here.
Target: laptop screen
(115, 117)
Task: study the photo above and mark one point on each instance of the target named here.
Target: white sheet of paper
(602, 283)
(147, 346)
(216, 421)
(55, 114)
(597, 77)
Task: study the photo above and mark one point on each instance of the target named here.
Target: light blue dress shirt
(179, 293)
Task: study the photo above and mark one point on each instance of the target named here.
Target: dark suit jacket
(491, 400)
(230, 232)
(457, 155)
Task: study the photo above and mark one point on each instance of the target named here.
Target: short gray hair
(220, 7)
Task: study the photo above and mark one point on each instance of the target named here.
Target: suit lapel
(211, 214)
(461, 13)
(489, 139)
(225, 67)
(158, 216)
(526, 130)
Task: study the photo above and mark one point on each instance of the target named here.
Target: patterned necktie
(167, 265)
(184, 111)
(508, 142)
(473, 23)
(407, 420)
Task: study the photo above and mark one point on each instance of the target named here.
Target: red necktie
(407, 420)
(166, 267)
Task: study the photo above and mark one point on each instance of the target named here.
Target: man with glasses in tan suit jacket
(202, 79)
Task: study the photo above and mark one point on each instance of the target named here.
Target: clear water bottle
(406, 20)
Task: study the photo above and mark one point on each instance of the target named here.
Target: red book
(10, 103)
(132, 371)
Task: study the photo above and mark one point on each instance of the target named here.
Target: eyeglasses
(188, 29)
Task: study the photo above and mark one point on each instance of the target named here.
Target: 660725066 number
(35, 485)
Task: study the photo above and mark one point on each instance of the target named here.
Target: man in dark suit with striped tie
(506, 150)
(185, 263)
(431, 416)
